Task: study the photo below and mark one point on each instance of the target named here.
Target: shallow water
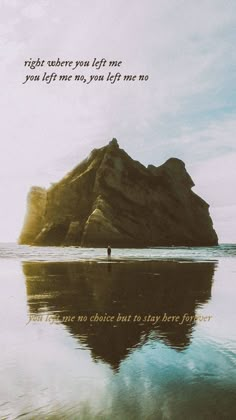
(149, 334)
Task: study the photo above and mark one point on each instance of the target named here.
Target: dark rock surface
(110, 198)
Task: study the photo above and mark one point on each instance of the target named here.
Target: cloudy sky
(185, 109)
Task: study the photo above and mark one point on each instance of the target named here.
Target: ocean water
(147, 334)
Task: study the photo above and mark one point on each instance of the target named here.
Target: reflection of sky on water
(53, 369)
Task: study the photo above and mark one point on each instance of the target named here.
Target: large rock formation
(110, 198)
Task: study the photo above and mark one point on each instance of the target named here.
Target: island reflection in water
(131, 288)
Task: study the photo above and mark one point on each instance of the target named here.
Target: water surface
(149, 334)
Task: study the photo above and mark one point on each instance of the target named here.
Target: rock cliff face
(111, 199)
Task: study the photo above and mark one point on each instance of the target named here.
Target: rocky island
(111, 199)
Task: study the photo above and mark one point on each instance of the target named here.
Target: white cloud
(225, 223)
(215, 181)
(33, 11)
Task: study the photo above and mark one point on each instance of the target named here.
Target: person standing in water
(109, 251)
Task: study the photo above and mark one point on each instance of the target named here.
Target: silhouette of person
(108, 251)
